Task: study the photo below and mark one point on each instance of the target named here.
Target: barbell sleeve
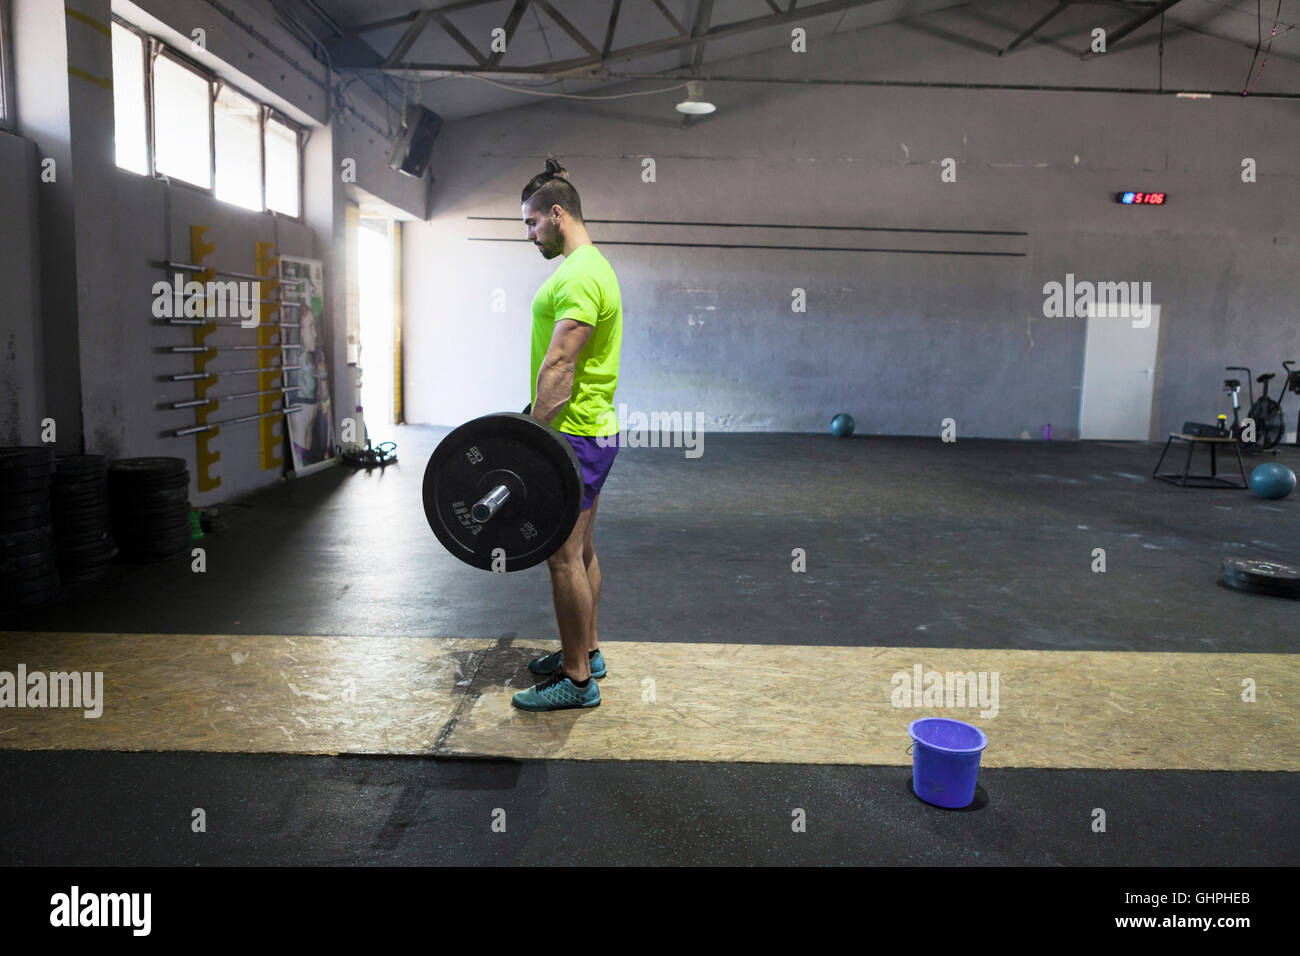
(487, 506)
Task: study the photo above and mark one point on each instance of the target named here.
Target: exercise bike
(1265, 411)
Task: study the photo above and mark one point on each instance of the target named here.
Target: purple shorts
(596, 456)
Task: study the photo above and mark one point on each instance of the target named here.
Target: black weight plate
(133, 486)
(29, 456)
(72, 537)
(529, 530)
(14, 525)
(80, 489)
(27, 549)
(78, 464)
(24, 472)
(1277, 577)
(29, 600)
(93, 576)
(49, 578)
(89, 541)
(11, 512)
(18, 487)
(16, 499)
(18, 538)
(147, 466)
(74, 520)
(33, 572)
(80, 499)
(159, 512)
(151, 557)
(16, 562)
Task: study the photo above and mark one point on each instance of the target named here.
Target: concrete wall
(899, 340)
(22, 371)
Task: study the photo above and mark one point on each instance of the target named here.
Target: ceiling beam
(592, 64)
(568, 27)
(512, 23)
(681, 30)
(408, 38)
(609, 31)
(703, 14)
(1126, 29)
(1038, 25)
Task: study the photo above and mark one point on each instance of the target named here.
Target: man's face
(544, 231)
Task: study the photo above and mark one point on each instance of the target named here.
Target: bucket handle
(909, 748)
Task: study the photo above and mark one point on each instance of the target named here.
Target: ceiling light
(695, 104)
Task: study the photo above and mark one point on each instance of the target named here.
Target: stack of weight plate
(1261, 576)
(150, 507)
(29, 572)
(81, 528)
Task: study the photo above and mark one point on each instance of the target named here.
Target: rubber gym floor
(334, 687)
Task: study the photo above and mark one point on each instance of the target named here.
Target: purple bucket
(945, 760)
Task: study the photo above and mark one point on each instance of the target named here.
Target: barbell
(503, 492)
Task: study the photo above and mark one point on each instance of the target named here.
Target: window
(182, 128)
(6, 70)
(180, 121)
(281, 167)
(128, 101)
(237, 123)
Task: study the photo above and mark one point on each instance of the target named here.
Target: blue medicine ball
(842, 425)
(1272, 480)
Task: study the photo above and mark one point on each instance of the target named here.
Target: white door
(1119, 375)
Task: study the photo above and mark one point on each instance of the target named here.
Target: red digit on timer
(1158, 198)
(1139, 197)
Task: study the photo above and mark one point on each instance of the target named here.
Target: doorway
(377, 314)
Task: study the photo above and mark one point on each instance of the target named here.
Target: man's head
(551, 208)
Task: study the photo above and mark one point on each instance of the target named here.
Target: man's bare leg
(571, 592)
(593, 574)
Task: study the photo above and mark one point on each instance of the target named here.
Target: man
(577, 334)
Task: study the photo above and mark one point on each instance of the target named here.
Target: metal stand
(1212, 480)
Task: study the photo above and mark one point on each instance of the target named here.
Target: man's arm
(555, 380)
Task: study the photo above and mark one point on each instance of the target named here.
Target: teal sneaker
(547, 665)
(558, 693)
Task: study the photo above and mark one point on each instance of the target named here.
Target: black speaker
(411, 150)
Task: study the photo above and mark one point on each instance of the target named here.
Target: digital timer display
(1141, 199)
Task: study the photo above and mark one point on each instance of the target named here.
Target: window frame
(8, 119)
(155, 48)
(300, 140)
(158, 49)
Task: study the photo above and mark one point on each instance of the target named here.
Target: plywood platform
(707, 702)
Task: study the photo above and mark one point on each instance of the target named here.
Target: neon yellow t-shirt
(585, 289)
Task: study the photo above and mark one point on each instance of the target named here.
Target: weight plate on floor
(10, 512)
(80, 464)
(147, 466)
(18, 498)
(23, 485)
(46, 580)
(15, 562)
(1261, 577)
(535, 522)
(80, 486)
(33, 457)
(14, 525)
(14, 541)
